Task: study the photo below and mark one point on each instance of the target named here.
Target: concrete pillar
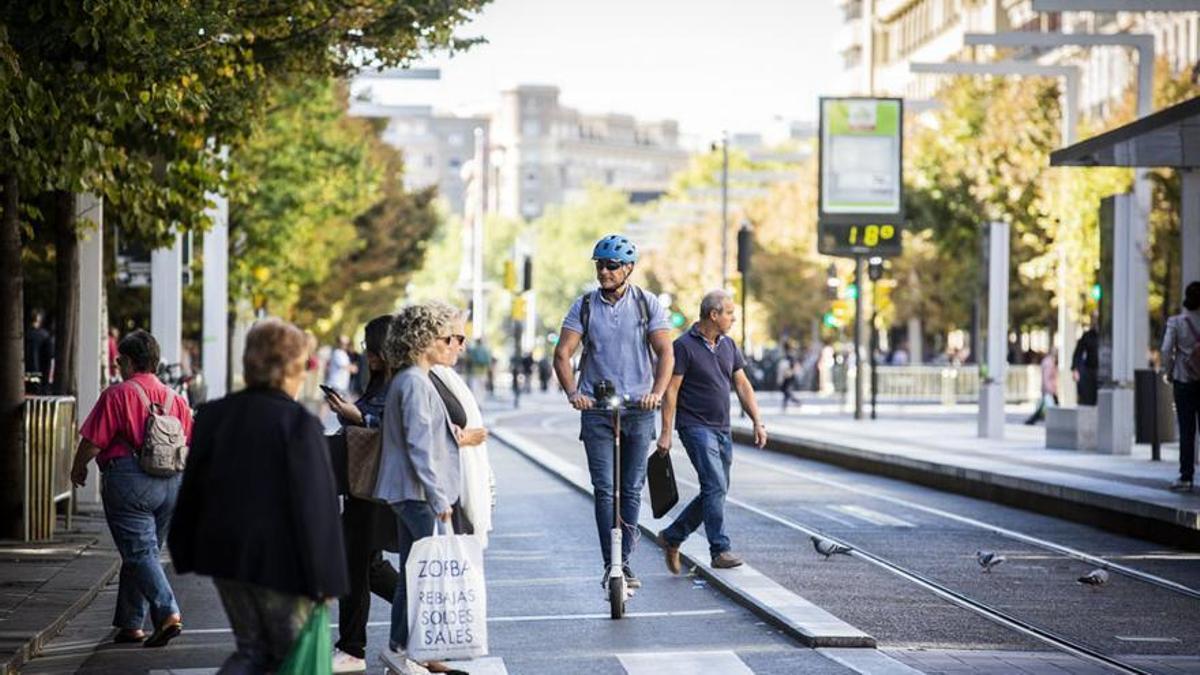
(215, 347)
(991, 389)
(1065, 339)
(1189, 228)
(166, 299)
(916, 342)
(1138, 248)
(1115, 435)
(91, 355)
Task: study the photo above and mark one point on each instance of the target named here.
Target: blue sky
(710, 64)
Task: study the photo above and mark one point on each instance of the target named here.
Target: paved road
(548, 612)
(907, 524)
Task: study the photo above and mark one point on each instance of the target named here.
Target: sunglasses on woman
(461, 339)
(610, 265)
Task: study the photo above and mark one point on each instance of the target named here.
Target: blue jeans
(414, 520)
(138, 508)
(596, 432)
(711, 452)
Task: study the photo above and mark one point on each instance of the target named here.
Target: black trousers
(369, 573)
(1187, 408)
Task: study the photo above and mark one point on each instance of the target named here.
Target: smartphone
(329, 391)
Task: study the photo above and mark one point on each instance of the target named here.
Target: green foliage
(392, 236)
(122, 97)
(304, 177)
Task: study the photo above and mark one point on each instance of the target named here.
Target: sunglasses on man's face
(610, 265)
(460, 339)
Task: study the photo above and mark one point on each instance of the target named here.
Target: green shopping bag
(312, 653)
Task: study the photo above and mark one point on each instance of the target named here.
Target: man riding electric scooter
(626, 343)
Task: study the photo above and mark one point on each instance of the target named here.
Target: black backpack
(585, 318)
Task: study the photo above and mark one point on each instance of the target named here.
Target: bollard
(1155, 450)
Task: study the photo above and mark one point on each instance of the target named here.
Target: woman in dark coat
(369, 528)
(258, 509)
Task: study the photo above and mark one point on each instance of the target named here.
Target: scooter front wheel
(616, 596)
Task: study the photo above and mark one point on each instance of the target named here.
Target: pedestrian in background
(1085, 365)
(258, 510)
(369, 528)
(623, 331)
(39, 354)
(1181, 343)
(137, 506)
(113, 339)
(708, 365)
(1049, 368)
(419, 468)
(340, 367)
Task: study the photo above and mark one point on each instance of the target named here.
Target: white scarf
(478, 483)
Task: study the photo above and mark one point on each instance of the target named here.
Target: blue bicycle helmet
(615, 247)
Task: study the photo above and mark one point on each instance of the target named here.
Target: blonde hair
(414, 328)
(275, 351)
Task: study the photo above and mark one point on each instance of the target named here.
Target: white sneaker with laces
(398, 662)
(348, 663)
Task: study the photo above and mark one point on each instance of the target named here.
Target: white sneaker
(348, 663)
(400, 664)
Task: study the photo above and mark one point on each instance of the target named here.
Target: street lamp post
(724, 209)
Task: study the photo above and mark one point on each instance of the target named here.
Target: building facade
(880, 38)
(436, 146)
(545, 153)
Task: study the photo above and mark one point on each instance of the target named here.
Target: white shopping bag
(447, 599)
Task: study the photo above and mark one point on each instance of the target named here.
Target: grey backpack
(164, 446)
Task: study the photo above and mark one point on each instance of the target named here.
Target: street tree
(130, 100)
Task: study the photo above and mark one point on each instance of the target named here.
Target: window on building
(454, 163)
(454, 140)
(428, 161)
(531, 127)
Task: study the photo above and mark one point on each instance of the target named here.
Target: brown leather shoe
(726, 560)
(674, 566)
(169, 630)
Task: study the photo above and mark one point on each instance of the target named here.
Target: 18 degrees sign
(878, 239)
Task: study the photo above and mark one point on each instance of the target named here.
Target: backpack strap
(644, 312)
(585, 319)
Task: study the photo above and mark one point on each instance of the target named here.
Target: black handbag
(661, 475)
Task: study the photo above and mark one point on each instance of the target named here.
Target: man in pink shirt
(137, 506)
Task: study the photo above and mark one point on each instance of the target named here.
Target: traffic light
(527, 277)
(1097, 292)
(510, 276)
(677, 319)
(518, 308)
(745, 246)
(851, 291)
(875, 269)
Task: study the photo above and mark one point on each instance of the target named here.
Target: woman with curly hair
(419, 474)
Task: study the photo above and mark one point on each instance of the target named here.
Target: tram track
(1008, 533)
(1046, 636)
(1004, 617)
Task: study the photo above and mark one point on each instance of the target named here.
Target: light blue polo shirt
(616, 346)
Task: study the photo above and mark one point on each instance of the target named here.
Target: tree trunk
(66, 277)
(12, 362)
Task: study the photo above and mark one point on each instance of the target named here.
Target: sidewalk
(1125, 494)
(44, 585)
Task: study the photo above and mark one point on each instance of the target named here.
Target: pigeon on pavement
(988, 559)
(828, 548)
(1096, 577)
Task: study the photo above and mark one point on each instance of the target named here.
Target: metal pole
(874, 371)
(724, 209)
(479, 317)
(858, 312)
(1155, 447)
(745, 292)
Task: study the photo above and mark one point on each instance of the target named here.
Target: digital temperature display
(854, 240)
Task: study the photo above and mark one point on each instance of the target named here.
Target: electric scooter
(618, 592)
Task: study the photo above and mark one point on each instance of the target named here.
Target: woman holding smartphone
(369, 528)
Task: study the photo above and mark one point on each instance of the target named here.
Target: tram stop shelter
(1169, 138)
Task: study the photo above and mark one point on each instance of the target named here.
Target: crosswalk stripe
(872, 516)
(684, 663)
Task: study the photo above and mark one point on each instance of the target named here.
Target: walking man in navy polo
(623, 330)
(707, 366)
